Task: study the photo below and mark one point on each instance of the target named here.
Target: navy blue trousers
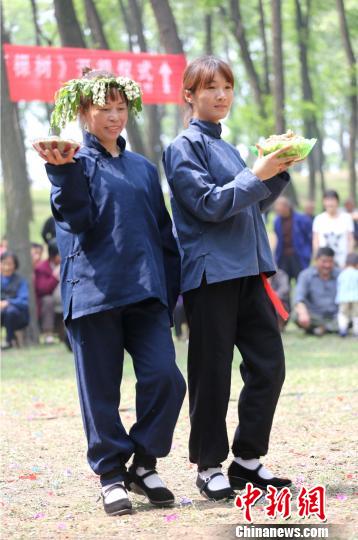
(13, 319)
(98, 342)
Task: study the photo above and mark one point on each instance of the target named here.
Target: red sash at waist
(278, 305)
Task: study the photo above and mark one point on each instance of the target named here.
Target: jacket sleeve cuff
(59, 175)
(247, 180)
(284, 176)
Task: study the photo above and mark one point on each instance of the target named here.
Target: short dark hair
(12, 255)
(331, 194)
(36, 245)
(324, 252)
(52, 248)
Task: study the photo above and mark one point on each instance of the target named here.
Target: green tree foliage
(328, 69)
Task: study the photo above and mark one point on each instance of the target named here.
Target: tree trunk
(153, 116)
(127, 24)
(265, 48)
(39, 38)
(316, 157)
(135, 24)
(98, 38)
(68, 26)
(18, 206)
(278, 81)
(239, 33)
(168, 33)
(353, 100)
(307, 93)
(39, 35)
(344, 153)
(209, 33)
(169, 36)
(320, 157)
(223, 18)
(134, 136)
(311, 165)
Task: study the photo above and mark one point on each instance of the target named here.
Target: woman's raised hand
(55, 157)
(266, 167)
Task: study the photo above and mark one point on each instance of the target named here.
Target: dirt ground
(48, 490)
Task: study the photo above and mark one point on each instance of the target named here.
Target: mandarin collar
(209, 128)
(91, 140)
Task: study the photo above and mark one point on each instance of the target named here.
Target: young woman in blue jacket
(217, 204)
(120, 279)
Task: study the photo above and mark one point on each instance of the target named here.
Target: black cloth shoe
(159, 496)
(213, 495)
(116, 508)
(239, 476)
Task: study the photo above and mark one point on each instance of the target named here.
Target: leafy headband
(68, 97)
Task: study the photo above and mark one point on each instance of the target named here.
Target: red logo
(312, 502)
(248, 499)
(279, 502)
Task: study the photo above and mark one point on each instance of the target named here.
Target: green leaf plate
(300, 150)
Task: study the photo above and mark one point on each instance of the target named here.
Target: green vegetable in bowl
(300, 147)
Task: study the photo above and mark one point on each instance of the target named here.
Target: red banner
(35, 73)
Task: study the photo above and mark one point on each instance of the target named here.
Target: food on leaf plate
(300, 147)
(50, 143)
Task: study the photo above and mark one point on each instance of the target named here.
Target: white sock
(219, 482)
(153, 481)
(252, 464)
(115, 494)
(343, 322)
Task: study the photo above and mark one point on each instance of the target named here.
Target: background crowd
(316, 279)
(317, 267)
(15, 291)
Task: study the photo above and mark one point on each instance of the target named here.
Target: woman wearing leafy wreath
(120, 280)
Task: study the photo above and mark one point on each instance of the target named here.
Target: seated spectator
(347, 296)
(46, 281)
(48, 232)
(14, 298)
(294, 238)
(334, 228)
(315, 309)
(36, 253)
(281, 285)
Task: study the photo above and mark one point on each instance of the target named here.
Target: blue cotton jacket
(301, 238)
(20, 298)
(217, 204)
(113, 230)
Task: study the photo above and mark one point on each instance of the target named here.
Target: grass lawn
(50, 492)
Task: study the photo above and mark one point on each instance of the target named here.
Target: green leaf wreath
(68, 97)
